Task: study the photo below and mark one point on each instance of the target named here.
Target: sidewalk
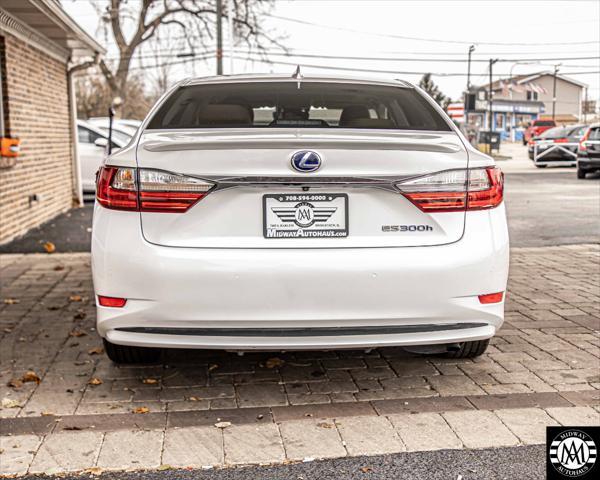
(85, 413)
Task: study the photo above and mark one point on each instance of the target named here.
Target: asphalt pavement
(523, 463)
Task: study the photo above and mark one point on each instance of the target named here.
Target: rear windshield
(556, 132)
(544, 123)
(293, 105)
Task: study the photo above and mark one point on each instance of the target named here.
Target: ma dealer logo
(572, 452)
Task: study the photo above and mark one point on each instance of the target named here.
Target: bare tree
(132, 24)
(93, 96)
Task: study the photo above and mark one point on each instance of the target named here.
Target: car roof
(271, 77)
(96, 130)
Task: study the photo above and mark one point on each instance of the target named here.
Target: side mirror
(101, 142)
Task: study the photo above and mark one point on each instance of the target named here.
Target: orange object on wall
(10, 147)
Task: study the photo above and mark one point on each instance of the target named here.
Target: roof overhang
(41, 20)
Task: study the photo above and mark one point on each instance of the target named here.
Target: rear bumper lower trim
(302, 332)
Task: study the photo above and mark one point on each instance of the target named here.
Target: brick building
(40, 48)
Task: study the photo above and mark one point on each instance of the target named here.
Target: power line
(393, 72)
(341, 57)
(329, 67)
(423, 39)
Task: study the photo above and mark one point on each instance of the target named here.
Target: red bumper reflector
(491, 297)
(111, 301)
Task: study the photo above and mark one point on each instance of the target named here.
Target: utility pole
(471, 50)
(219, 37)
(585, 106)
(230, 13)
(554, 92)
(490, 102)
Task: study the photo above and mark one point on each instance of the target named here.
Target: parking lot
(65, 407)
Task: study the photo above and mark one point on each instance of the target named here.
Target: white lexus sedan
(286, 213)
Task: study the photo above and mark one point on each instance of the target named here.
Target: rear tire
(128, 354)
(541, 166)
(469, 349)
(581, 173)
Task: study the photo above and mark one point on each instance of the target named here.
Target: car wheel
(128, 354)
(581, 173)
(469, 349)
(541, 166)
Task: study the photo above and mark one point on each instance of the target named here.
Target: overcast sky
(519, 30)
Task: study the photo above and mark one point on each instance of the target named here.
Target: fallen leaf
(223, 424)
(194, 399)
(49, 247)
(365, 469)
(47, 414)
(77, 333)
(260, 416)
(164, 466)
(10, 403)
(274, 362)
(95, 381)
(11, 301)
(94, 471)
(213, 367)
(58, 268)
(95, 351)
(150, 381)
(30, 376)
(72, 427)
(75, 298)
(15, 383)
(141, 410)
(324, 425)
(80, 315)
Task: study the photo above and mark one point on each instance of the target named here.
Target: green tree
(427, 84)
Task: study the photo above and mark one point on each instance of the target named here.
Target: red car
(536, 128)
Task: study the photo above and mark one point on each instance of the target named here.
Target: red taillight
(491, 298)
(147, 190)
(582, 145)
(456, 190)
(109, 194)
(561, 140)
(114, 302)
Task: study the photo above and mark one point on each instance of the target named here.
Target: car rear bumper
(281, 299)
(588, 163)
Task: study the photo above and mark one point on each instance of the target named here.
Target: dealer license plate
(314, 215)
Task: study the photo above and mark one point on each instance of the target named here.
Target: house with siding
(518, 100)
(40, 49)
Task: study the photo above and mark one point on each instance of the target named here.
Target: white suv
(279, 213)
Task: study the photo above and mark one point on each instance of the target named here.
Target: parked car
(536, 128)
(91, 149)
(588, 155)
(127, 127)
(567, 137)
(278, 213)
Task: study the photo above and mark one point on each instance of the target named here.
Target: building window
(532, 96)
